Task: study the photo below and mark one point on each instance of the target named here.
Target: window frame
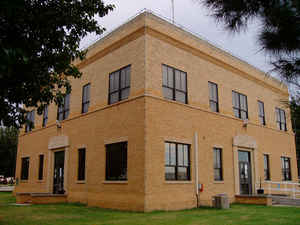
(109, 161)
(281, 125)
(219, 167)
(267, 174)
(173, 88)
(85, 100)
(45, 116)
(81, 165)
(286, 172)
(41, 167)
(240, 110)
(25, 168)
(30, 123)
(176, 166)
(212, 101)
(263, 115)
(120, 89)
(64, 109)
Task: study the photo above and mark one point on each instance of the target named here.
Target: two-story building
(159, 120)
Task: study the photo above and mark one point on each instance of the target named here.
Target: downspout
(196, 168)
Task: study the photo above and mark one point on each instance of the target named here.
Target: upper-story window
(280, 119)
(174, 84)
(261, 113)
(85, 98)
(213, 97)
(63, 110)
(240, 105)
(30, 121)
(45, 116)
(119, 85)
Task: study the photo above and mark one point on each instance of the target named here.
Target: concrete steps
(280, 200)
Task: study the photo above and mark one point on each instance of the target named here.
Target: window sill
(179, 182)
(23, 181)
(40, 181)
(80, 182)
(219, 182)
(115, 182)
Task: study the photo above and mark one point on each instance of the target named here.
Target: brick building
(159, 120)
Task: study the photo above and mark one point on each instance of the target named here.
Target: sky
(194, 17)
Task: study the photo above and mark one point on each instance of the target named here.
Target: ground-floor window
(286, 168)
(267, 167)
(218, 170)
(41, 166)
(116, 161)
(177, 161)
(25, 168)
(81, 164)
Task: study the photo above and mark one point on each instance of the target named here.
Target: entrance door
(245, 173)
(58, 179)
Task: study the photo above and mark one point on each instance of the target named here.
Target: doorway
(58, 177)
(245, 172)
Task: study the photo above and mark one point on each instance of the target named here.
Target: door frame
(245, 143)
(61, 150)
(250, 172)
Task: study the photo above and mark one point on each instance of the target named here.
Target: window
(261, 113)
(41, 166)
(286, 168)
(64, 109)
(119, 85)
(45, 116)
(25, 168)
(30, 121)
(240, 105)
(177, 161)
(81, 164)
(218, 170)
(174, 84)
(266, 167)
(116, 161)
(213, 97)
(280, 119)
(85, 98)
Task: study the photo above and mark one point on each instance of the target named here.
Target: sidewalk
(6, 188)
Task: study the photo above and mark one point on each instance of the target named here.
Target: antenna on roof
(172, 11)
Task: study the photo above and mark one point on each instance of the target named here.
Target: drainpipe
(196, 168)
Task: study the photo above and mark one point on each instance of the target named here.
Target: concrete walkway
(6, 188)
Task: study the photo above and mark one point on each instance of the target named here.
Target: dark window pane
(183, 81)
(81, 164)
(180, 155)
(180, 97)
(177, 80)
(165, 75)
(114, 97)
(123, 78)
(172, 154)
(170, 78)
(217, 174)
(186, 155)
(182, 173)
(213, 106)
(116, 161)
(168, 93)
(167, 154)
(41, 167)
(25, 168)
(127, 82)
(125, 93)
(243, 115)
(170, 173)
(236, 113)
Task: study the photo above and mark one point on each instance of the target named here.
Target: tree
(279, 35)
(8, 151)
(39, 40)
(294, 105)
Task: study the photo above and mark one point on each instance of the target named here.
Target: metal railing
(284, 187)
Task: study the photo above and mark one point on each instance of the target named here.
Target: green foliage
(279, 35)
(39, 40)
(8, 151)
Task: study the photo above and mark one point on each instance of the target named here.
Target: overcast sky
(193, 16)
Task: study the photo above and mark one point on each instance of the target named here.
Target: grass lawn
(75, 214)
